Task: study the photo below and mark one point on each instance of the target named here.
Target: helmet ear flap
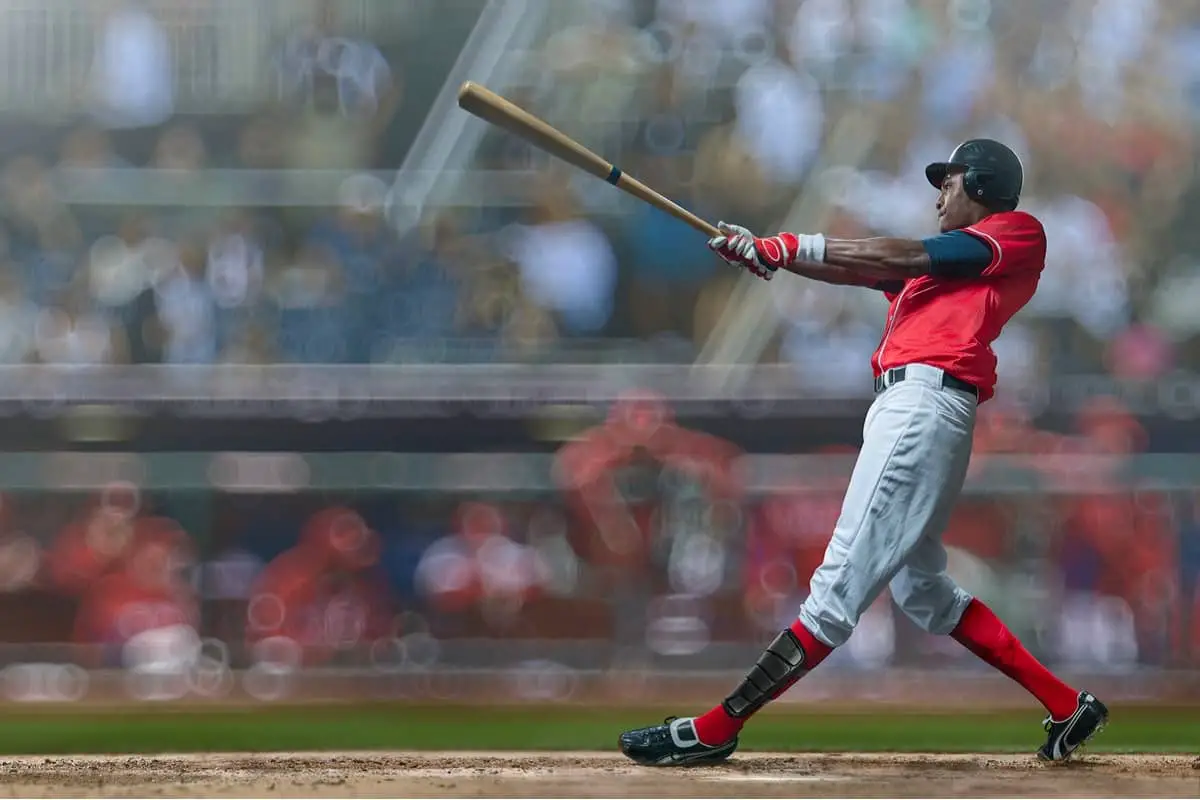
(973, 182)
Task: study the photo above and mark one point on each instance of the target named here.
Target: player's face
(955, 209)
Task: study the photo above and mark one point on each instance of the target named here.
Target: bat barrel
(491, 107)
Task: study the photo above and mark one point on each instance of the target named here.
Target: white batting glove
(764, 256)
(736, 246)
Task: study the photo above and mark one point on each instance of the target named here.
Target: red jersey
(951, 323)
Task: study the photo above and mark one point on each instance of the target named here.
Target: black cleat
(673, 744)
(1068, 735)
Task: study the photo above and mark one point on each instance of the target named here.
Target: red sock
(982, 632)
(717, 727)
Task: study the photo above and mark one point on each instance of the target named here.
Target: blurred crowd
(653, 546)
(733, 108)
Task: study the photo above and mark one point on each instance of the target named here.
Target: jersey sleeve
(957, 254)
(1017, 241)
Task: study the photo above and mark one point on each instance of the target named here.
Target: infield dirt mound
(595, 775)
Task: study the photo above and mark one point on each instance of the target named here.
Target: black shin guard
(778, 668)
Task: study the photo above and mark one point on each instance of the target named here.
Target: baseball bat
(491, 107)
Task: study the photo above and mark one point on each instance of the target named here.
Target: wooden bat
(491, 107)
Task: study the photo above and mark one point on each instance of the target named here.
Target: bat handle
(644, 193)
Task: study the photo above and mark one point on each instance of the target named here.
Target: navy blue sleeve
(893, 287)
(957, 254)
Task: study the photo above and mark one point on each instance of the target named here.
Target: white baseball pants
(916, 446)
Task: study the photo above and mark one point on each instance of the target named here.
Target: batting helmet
(992, 172)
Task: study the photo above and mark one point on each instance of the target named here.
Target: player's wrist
(784, 249)
(810, 248)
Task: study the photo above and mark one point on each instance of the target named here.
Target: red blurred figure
(1006, 428)
(1140, 353)
(127, 570)
(787, 540)
(479, 566)
(613, 479)
(982, 525)
(327, 592)
(94, 542)
(640, 430)
(1129, 530)
(145, 590)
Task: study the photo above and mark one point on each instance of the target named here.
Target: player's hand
(761, 257)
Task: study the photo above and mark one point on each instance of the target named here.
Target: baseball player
(950, 296)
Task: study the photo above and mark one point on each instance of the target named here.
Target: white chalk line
(749, 777)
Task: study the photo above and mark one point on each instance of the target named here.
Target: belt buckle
(889, 378)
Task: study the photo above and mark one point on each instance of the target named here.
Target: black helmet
(993, 172)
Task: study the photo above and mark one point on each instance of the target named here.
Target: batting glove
(763, 257)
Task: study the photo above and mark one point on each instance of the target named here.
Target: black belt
(894, 376)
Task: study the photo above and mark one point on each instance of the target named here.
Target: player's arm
(835, 274)
(955, 254)
(880, 262)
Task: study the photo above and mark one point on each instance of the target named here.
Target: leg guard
(779, 666)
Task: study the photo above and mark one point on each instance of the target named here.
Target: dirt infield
(594, 775)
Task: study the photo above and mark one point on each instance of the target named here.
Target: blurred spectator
(671, 262)
(1172, 300)
(479, 568)
(780, 118)
(344, 90)
(230, 573)
(786, 543)
(1113, 39)
(1140, 353)
(69, 331)
(559, 566)
(956, 77)
(596, 69)
(181, 155)
(307, 294)
(42, 234)
(86, 156)
(1021, 364)
(364, 249)
(89, 147)
(567, 263)
(420, 295)
(1085, 277)
(325, 595)
(123, 271)
(132, 79)
(235, 273)
(181, 151)
(723, 18)
(829, 346)
(637, 484)
(147, 600)
(187, 310)
(94, 540)
(18, 317)
(821, 34)
(640, 432)
(1116, 544)
(129, 571)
